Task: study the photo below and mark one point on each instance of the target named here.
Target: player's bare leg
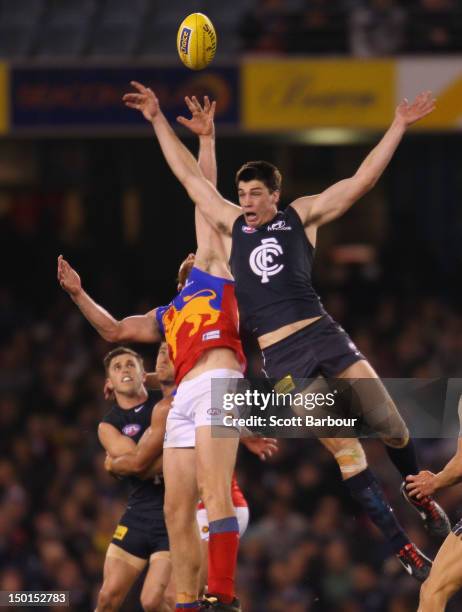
(155, 595)
(119, 575)
(445, 577)
(216, 457)
(181, 497)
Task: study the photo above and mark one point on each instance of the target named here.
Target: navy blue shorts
(322, 348)
(140, 536)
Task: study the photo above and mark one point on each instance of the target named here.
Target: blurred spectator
(320, 28)
(377, 29)
(264, 29)
(435, 27)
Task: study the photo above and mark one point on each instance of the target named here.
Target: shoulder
(238, 222)
(112, 416)
(302, 208)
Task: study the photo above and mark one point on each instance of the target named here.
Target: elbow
(366, 182)
(112, 334)
(140, 467)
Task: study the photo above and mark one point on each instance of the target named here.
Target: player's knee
(108, 599)
(350, 457)
(399, 442)
(177, 515)
(153, 600)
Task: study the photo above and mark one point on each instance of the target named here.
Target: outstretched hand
(262, 447)
(145, 100)
(68, 277)
(422, 106)
(421, 484)
(201, 122)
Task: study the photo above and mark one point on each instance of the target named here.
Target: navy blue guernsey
(271, 265)
(146, 496)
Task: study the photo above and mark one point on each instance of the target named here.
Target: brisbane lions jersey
(271, 265)
(202, 316)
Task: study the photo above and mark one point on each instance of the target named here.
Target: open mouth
(127, 379)
(250, 216)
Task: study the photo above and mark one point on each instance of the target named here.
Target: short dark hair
(262, 171)
(121, 350)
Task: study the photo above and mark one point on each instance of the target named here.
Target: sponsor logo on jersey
(211, 335)
(131, 429)
(139, 408)
(285, 385)
(278, 225)
(248, 230)
(120, 532)
(262, 259)
(185, 36)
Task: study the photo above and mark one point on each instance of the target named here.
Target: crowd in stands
(46, 29)
(308, 548)
(363, 28)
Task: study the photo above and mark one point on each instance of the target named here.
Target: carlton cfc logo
(262, 259)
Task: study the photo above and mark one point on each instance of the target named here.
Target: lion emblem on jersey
(196, 311)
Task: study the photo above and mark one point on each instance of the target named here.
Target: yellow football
(196, 41)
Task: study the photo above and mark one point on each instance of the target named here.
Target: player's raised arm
(148, 449)
(142, 328)
(336, 200)
(201, 123)
(218, 211)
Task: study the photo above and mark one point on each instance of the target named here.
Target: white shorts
(242, 515)
(192, 407)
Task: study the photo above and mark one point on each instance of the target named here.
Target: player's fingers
(183, 121)
(213, 108)
(189, 104)
(196, 103)
(138, 86)
(131, 97)
(206, 104)
(133, 105)
(410, 478)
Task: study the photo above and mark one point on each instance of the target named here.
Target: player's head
(184, 270)
(259, 188)
(125, 373)
(164, 367)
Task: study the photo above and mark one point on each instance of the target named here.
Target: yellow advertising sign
(288, 94)
(4, 98)
(442, 76)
